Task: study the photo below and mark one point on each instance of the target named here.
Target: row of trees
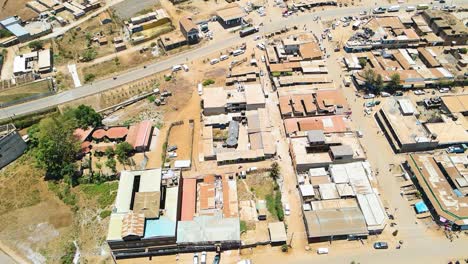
(375, 81)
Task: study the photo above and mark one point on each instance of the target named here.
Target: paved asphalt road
(99, 86)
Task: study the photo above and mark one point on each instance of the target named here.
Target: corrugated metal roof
(372, 209)
(277, 232)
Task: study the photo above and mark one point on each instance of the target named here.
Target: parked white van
(238, 52)
(321, 251)
(214, 61)
(410, 8)
(395, 8)
(223, 57)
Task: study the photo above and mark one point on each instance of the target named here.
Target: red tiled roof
(99, 133)
(188, 199)
(117, 132)
(85, 147)
(82, 134)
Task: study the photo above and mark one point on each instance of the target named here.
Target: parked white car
(214, 61)
(261, 46)
(369, 96)
(444, 90)
(385, 94)
(176, 68)
(185, 67)
(287, 209)
(419, 92)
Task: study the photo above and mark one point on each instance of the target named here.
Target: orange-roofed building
(189, 198)
(117, 132)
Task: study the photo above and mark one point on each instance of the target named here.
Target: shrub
(151, 98)
(105, 214)
(89, 55)
(36, 45)
(167, 78)
(243, 226)
(89, 77)
(208, 82)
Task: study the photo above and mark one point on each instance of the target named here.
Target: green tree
(88, 55)
(57, 147)
(463, 50)
(395, 81)
(274, 170)
(85, 116)
(36, 45)
(5, 33)
(369, 76)
(111, 164)
(109, 152)
(123, 151)
(362, 62)
(379, 83)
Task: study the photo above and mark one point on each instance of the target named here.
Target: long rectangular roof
(208, 229)
(335, 222)
(373, 210)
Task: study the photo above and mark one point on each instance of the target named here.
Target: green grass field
(24, 91)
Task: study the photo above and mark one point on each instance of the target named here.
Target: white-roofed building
(373, 211)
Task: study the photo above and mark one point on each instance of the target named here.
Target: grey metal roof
(342, 150)
(315, 136)
(206, 229)
(233, 133)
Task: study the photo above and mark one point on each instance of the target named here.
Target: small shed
(277, 233)
(421, 207)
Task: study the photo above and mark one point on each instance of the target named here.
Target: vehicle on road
(263, 58)
(380, 245)
(399, 93)
(203, 258)
(185, 67)
(244, 261)
(216, 259)
(419, 92)
(172, 148)
(363, 13)
(261, 46)
(223, 57)
(410, 8)
(200, 89)
(360, 134)
(422, 7)
(287, 209)
(395, 8)
(214, 61)
(369, 96)
(238, 52)
(321, 251)
(195, 258)
(385, 94)
(458, 149)
(176, 68)
(248, 31)
(444, 90)
(379, 10)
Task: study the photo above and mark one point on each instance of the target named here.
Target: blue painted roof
(421, 207)
(17, 30)
(162, 227)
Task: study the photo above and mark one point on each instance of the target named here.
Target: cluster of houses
(336, 182)
(159, 212)
(427, 50)
(430, 28)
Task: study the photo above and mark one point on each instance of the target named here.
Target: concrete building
(12, 146)
(447, 26)
(320, 150)
(218, 100)
(36, 61)
(341, 203)
(209, 216)
(145, 214)
(442, 181)
(14, 25)
(189, 29)
(231, 15)
(405, 133)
